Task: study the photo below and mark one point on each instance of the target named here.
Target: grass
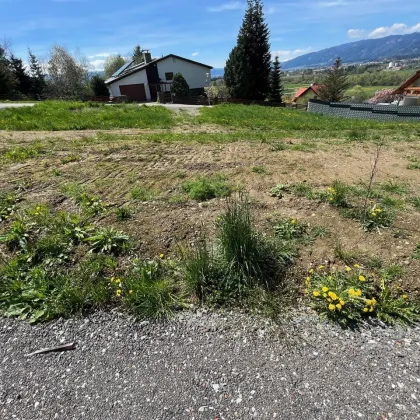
(55, 116)
(22, 153)
(202, 189)
(143, 194)
(259, 170)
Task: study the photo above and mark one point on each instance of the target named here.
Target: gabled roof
(301, 91)
(407, 83)
(134, 68)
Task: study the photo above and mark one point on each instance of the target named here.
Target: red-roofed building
(303, 95)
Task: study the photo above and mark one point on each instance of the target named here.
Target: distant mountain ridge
(394, 47)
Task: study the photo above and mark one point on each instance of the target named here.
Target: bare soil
(113, 168)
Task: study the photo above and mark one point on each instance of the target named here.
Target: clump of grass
(414, 163)
(357, 135)
(202, 189)
(143, 194)
(277, 147)
(56, 172)
(279, 190)
(180, 174)
(352, 257)
(92, 203)
(150, 291)
(350, 296)
(415, 201)
(416, 254)
(259, 170)
(123, 213)
(69, 159)
(302, 189)
(338, 194)
(8, 204)
(240, 261)
(22, 153)
(395, 188)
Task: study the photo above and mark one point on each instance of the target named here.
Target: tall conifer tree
(276, 85)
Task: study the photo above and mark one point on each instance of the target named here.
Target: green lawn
(56, 116)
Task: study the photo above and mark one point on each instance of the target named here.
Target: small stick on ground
(373, 172)
(63, 347)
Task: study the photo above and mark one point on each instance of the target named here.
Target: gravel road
(208, 366)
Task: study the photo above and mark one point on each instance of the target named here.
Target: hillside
(391, 47)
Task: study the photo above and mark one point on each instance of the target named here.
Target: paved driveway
(14, 104)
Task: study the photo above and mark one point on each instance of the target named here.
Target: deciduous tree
(112, 64)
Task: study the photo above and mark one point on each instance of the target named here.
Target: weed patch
(22, 153)
(202, 189)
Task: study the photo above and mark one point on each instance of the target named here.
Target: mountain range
(394, 47)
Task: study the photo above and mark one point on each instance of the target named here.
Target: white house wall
(132, 79)
(194, 74)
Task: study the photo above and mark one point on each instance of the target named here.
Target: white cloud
(96, 65)
(104, 55)
(235, 5)
(194, 54)
(356, 33)
(288, 55)
(395, 29)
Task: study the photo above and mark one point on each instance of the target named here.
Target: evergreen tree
(247, 71)
(8, 81)
(37, 76)
(138, 55)
(335, 84)
(98, 86)
(23, 84)
(180, 86)
(112, 64)
(276, 85)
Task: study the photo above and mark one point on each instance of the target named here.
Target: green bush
(202, 189)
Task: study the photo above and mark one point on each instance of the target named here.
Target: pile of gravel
(208, 366)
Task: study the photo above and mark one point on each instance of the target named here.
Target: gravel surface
(208, 366)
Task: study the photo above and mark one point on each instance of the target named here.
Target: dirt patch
(170, 219)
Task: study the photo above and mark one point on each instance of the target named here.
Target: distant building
(142, 82)
(410, 89)
(303, 95)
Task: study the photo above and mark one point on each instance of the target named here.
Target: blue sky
(204, 31)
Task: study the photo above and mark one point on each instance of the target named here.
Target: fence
(365, 111)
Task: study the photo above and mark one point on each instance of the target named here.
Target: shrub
(377, 217)
(17, 236)
(180, 87)
(202, 189)
(350, 296)
(338, 194)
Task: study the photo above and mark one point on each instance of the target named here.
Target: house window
(169, 76)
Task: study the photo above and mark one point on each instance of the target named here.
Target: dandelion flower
(338, 306)
(404, 296)
(331, 307)
(373, 300)
(325, 295)
(118, 293)
(342, 302)
(362, 278)
(358, 292)
(365, 310)
(320, 267)
(325, 289)
(371, 309)
(311, 270)
(130, 292)
(352, 292)
(368, 302)
(348, 269)
(329, 300)
(161, 255)
(378, 210)
(293, 222)
(356, 266)
(332, 295)
(316, 293)
(308, 280)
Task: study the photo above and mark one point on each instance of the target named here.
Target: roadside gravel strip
(208, 366)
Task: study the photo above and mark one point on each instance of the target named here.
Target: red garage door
(134, 92)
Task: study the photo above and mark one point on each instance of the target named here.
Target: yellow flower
(338, 306)
(118, 293)
(352, 292)
(329, 277)
(373, 300)
(161, 255)
(130, 292)
(358, 292)
(378, 210)
(342, 302)
(404, 296)
(311, 270)
(325, 295)
(332, 295)
(320, 267)
(331, 307)
(373, 214)
(316, 293)
(112, 279)
(325, 289)
(348, 269)
(368, 302)
(308, 280)
(293, 222)
(362, 278)
(365, 309)
(329, 300)
(371, 309)
(356, 266)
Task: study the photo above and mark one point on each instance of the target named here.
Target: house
(303, 95)
(410, 90)
(142, 82)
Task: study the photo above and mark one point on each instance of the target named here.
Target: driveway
(191, 109)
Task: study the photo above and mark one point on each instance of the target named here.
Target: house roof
(134, 68)
(301, 91)
(407, 83)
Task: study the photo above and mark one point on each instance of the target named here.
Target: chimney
(147, 57)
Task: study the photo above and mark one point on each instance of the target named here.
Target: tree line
(62, 75)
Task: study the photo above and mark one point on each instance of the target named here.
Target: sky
(201, 31)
